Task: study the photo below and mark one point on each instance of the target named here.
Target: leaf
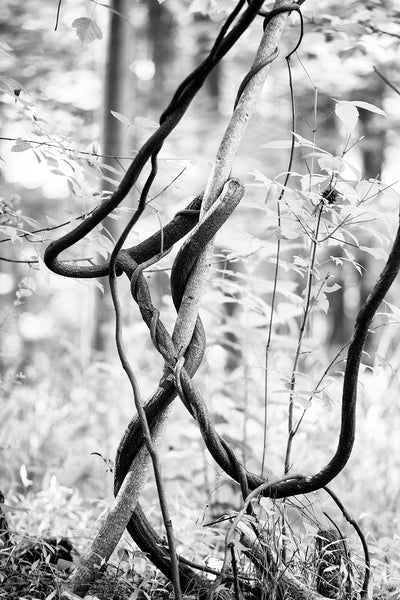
(20, 146)
(395, 309)
(6, 49)
(347, 113)
(329, 289)
(121, 118)
(304, 402)
(280, 144)
(52, 162)
(30, 221)
(300, 261)
(44, 271)
(347, 191)
(368, 106)
(28, 283)
(219, 419)
(321, 302)
(146, 124)
(289, 230)
(308, 143)
(209, 6)
(378, 253)
(26, 482)
(327, 399)
(10, 232)
(354, 170)
(337, 260)
(331, 163)
(260, 178)
(315, 180)
(87, 30)
(368, 190)
(286, 310)
(9, 85)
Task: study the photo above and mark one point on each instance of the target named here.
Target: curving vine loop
(178, 371)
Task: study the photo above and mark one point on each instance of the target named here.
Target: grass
(129, 576)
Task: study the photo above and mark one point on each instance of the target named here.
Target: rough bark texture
(126, 500)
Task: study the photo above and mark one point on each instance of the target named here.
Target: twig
(59, 146)
(35, 261)
(229, 147)
(355, 525)
(386, 80)
(235, 521)
(291, 430)
(58, 14)
(52, 228)
(278, 252)
(234, 571)
(147, 438)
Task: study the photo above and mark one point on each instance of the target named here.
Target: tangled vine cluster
(179, 369)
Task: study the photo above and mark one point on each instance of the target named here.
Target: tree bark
(126, 500)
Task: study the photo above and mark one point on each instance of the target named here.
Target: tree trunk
(161, 32)
(115, 99)
(204, 40)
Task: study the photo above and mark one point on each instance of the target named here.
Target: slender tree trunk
(115, 99)
(161, 33)
(204, 40)
(128, 494)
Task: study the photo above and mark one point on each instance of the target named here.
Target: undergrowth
(63, 513)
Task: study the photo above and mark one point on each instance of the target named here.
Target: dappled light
(199, 248)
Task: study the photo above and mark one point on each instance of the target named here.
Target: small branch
(150, 446)
(264, 487)
(58, 14)
(230, 144)
(291, 429)
(234, 571)
(356, 527)
(36, 261)
(22, 262)
(278, 253)
(381, 31)
(349, 394)
(283, 583)
(47, 229)
(386, 80)
(59, 146)
(268, 343)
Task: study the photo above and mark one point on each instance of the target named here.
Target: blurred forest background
(75, 106)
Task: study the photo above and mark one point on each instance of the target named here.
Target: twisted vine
(149, 151)
(178, 371)
(220, 450)
(169, 119)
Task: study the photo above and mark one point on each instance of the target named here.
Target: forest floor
(36, 567)
(38, 570)
(38, 578)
